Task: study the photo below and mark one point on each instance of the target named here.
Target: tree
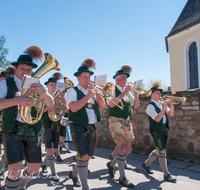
(149, 84)
(3, 53)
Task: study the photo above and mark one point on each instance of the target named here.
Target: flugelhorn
(50, 63)
(174, 99)
(107, 91)
(140, 90)
(56, 115)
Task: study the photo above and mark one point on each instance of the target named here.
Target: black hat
(52, 79)
(82, 69)
(5, 74)
(56, 76)
(120, 72)
(155, 87)
(26, 59)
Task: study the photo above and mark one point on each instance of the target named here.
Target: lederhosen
(51, 131)
(20, 139)
(83, 134)
(159, 131)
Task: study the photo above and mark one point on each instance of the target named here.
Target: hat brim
(83, 71)
(48, 82)
(161, 90)
(127, 74)
(25, 62)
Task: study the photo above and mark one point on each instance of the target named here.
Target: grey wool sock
(115, 151)
(58, 150)
(50, 161)
(75, 171)
(26, 178)
(163, 163)
(12, 184)
(113, 162)
(82, 167)
(121, 165)
(152, 156)
(45, 161)
(2, 162)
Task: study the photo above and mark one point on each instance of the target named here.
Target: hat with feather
(156, 86)
(87, 63)
(56, 76)
(124, 70)
(9, 72)
(32, 54)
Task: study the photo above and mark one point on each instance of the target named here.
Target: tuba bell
(49, 64)
(56, 115)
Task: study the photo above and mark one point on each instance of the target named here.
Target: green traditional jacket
(158, 126)
(80, 117)
(117, 112)
(10, 114)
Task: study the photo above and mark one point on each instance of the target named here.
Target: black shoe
(54, 177)
(125, 182)
(74, 158)
(60, 148)
(2, 176)
(88, 171)
(147, 168)
(75, 180)
(169, 178)
(93, 157)
(44, 169)
(58, 158)
(127, 167)
(110, 170)
(68, 151)
(111, 158)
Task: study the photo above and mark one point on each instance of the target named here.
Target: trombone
(107, 91)
(140, 90)
(174, 99)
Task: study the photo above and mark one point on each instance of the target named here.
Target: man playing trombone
(159, 126)
(84, 104)
(120, 124)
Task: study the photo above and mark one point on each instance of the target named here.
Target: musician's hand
(92, 91)
(24, 101)
(38, 89)
(166, 102)
(62, 99)
(128, 88)
(56, 107)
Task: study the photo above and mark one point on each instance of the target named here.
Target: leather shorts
(83, 138)
(62, 131)
(22, 142)
(51, 134)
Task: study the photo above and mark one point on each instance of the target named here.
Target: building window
(193, 66)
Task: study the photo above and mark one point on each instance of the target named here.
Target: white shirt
(125, 98)
(150, 110)
(3, 93)
(71, 95)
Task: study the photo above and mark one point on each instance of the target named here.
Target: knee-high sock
(121, 165)
(151, 158)
(113, 162)
(45, 161)
(2, 162)
(50, 161)
(75, 171)
(115, 151)
(66, 145)
(163, 163)
(12, 184)
(58, 150)
(82, 167)
(26, 178)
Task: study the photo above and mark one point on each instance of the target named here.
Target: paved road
(187, 174)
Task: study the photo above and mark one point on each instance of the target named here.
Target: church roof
(189, 17)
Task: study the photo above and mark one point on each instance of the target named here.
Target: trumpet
(140, 90)
(107, 91)
(174, 99)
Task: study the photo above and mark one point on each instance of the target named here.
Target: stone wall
(184, 136)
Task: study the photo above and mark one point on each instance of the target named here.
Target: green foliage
(3, 53)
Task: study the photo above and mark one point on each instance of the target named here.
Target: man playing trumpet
(159, 126)
(84, 104)
(21, 139)
(120, 124)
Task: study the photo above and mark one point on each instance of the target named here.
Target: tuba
(49, 64)
(56, 115)
(174, 99)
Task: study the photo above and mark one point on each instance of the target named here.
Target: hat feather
(35, 52)
(126, 68)
(156, 84)
(57, 76)
(89, 63)
(11, 70)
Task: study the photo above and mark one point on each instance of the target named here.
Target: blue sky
(111, 32)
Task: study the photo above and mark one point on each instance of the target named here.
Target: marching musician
(158, 113)
(51, 129)
(21, 139)
(84, 104)
(120, 124)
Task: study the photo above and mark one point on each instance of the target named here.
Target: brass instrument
(56, 115)
(49, 64)
(107, 91)
(140, 90)
(174, 99)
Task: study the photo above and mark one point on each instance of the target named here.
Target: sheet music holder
(28, 80)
